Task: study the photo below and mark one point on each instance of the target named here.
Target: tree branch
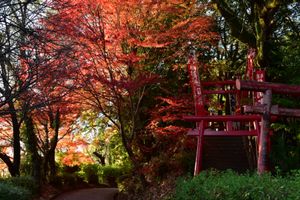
(238, 29)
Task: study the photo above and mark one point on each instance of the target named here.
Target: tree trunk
(53, 144)
(46, 163)
(101, 158)
(52, 164)
(16, 140)
(262, 20)
(8, 163)
(132, 157)
(32, 149)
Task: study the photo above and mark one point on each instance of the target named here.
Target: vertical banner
(199, 107)
(260, 76)
(250, 63)
(195, 84)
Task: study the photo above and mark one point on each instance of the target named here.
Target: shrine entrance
(243, 135)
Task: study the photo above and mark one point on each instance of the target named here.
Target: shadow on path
(89, 194)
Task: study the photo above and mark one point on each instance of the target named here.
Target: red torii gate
(262, 106)
(201, 115)
(266, 110)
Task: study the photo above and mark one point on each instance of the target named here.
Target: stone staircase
(222, 152)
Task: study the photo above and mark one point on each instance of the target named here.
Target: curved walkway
(89, 194)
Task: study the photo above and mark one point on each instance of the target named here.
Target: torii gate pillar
(264, 136)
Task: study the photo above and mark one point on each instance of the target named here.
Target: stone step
(223, 153)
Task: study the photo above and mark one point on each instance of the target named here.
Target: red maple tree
(110, 45)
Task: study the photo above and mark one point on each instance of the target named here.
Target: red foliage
(102, 42)
(95, 31)
(168, 112)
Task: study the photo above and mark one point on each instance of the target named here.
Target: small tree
(18, 70)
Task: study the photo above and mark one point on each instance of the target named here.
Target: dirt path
(89, 194)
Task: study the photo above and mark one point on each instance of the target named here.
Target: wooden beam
(218, 83)
(207, 132)
(264, 86)
(220, 91)
(222, 118)
(275, 110)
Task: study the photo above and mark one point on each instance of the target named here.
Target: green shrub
(90, 173)
(186, 160)
(26, 182)
(68, 176)
(70, 169)
(229, 186)
(111, 174)
(56, 181)
(71, 179)
(24, 187)
(111, 171)
(12, 192)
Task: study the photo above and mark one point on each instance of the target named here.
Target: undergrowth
(229, 185)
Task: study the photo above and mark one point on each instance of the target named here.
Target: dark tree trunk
(53, 143)
(16, 140)
(46, 151)
(33, 149)
(262, 21)
(8, 163)
(52, 163)
(131, 155)
(45, 164)
(101, 158)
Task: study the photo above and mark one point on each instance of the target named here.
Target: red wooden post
(199, 151)
(199, 108)
(263, 157)
(196, 85)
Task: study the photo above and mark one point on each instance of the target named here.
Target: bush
(67, 177)
(229, 185)
(110, 175)
(186, 160)
(26, 182)
(90, 173)
(56, 181)
(15, 188)
(71, 179)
